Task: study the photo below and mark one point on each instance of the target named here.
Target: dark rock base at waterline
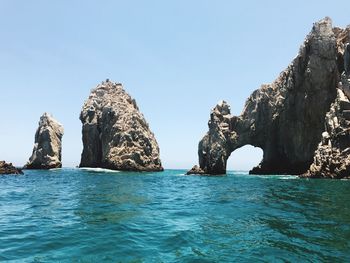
(8, 168)
(280, 168)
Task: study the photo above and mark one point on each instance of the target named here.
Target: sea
(98, 215)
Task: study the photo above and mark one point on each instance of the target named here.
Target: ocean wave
(283, 177)
(98, 170)
(55, 169)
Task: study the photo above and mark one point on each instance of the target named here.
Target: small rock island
(48, 145)
(301, 119)
(8, 168)
(115, 133)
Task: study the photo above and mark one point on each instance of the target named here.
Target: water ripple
(74, 215)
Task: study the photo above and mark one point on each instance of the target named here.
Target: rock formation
(115, 133)
(332, 157)
(8, 168)
(48, 144)
(286, 118)
(347, 59)
(195, 170)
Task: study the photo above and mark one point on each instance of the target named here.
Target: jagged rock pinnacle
(48, 144)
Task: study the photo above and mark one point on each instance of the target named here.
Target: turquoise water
(71, 215)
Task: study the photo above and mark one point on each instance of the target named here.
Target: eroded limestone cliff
(47, 146)
(285, 118)
(115, 133)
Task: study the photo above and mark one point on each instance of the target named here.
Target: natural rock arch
(244, 158)
(284, 118)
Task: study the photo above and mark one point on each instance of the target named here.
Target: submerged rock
(115, 132)
(48, 145)
(8, 168)
(286, 118)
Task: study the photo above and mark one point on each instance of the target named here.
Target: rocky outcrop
(8, 168)
(332, 155)
(115, 132)
(195, 170)
(215, 147)
(48, 145)
(331, 158)
(285, 118)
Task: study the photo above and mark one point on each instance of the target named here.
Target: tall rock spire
(48, 144)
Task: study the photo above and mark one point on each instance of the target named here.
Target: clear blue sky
(176, 58)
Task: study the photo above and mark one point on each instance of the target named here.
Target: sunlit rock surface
(115, 132)
(48, 144)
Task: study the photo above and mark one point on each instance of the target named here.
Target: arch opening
(245, 158)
